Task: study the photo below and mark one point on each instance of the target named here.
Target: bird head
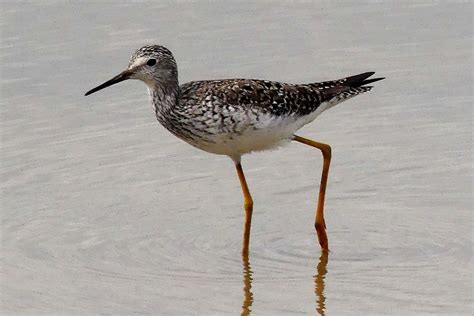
(152, 64)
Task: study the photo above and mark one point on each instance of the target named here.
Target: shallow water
(105, 212)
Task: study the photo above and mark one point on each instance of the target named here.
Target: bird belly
(266, 133)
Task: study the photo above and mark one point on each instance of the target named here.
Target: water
(105, 212)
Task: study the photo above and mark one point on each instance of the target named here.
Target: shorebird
(234, 117)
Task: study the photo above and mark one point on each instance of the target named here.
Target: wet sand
(105, 212)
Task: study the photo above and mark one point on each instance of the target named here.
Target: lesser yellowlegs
(237, 116)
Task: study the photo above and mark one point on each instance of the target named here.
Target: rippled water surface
(105, 212)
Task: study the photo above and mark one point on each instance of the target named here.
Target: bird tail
(337, 91)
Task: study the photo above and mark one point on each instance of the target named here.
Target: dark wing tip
(360, 79)
(371, 80)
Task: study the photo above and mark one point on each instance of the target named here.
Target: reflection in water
(248, 295)
(319, 283)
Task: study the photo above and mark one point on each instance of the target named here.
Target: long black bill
(124, 75)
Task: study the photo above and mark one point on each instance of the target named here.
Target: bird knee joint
(327, 152)
(248, 204)
(319, 226)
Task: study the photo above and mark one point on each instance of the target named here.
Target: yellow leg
(319, 224)
(248, 206)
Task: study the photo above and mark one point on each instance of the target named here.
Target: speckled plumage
(225, 116)
(235, 116)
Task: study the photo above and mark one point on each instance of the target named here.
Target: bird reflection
(319, 283)
(248, 295)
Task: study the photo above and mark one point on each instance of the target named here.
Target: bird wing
(274, 97)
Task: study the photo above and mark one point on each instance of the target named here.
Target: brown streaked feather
(275, 97)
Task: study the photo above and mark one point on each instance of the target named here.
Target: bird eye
(151, 62)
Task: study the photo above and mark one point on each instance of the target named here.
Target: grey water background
(105, 212)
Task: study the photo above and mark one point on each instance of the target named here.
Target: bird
(234, 117)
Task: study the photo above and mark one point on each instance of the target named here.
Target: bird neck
(164, 97)
(165, 101)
